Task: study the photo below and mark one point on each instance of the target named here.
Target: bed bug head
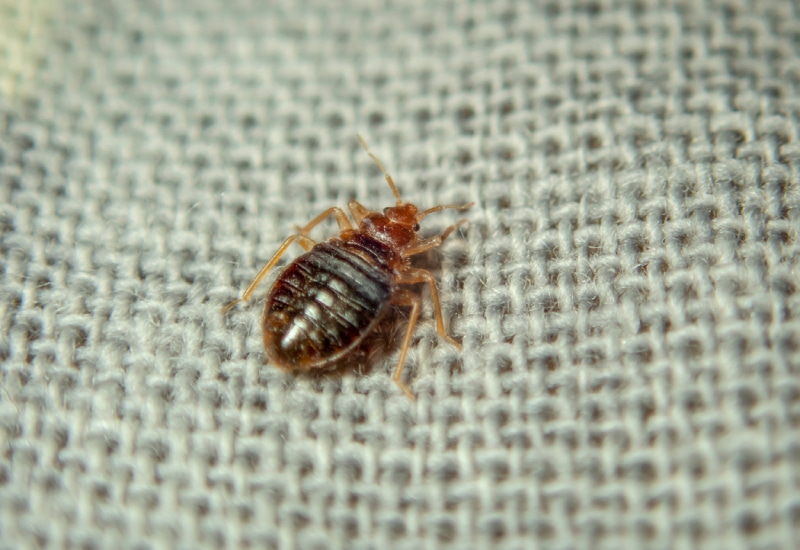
(397, 225)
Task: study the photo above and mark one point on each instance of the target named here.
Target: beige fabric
(626, 288)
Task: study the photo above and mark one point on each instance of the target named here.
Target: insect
(327, 301)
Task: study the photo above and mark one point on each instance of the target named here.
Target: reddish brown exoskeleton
(326, 302)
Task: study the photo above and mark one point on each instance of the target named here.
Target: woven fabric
(625, 286)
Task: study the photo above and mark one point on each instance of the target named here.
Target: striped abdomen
(326, 301)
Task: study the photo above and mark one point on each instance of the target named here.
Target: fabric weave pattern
(625, 289)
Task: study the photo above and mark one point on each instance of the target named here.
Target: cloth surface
(625, 286)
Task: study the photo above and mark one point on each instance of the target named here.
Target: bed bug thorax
(326, 302)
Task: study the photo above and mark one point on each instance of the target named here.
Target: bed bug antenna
(443, 207)
(389, 179)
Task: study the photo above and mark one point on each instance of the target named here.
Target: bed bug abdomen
(326, 301)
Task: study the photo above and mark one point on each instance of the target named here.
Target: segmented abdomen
(326, 301)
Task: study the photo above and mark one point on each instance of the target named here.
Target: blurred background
(625, 287)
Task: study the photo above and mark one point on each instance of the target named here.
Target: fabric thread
(625, 287)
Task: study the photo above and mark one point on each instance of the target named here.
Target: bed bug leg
(358, 211)
(426, 244)
(413, 276)
(341, 220)
(304, 242)
(405, 297)
(335, 211)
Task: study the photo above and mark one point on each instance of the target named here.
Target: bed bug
(326, 302)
